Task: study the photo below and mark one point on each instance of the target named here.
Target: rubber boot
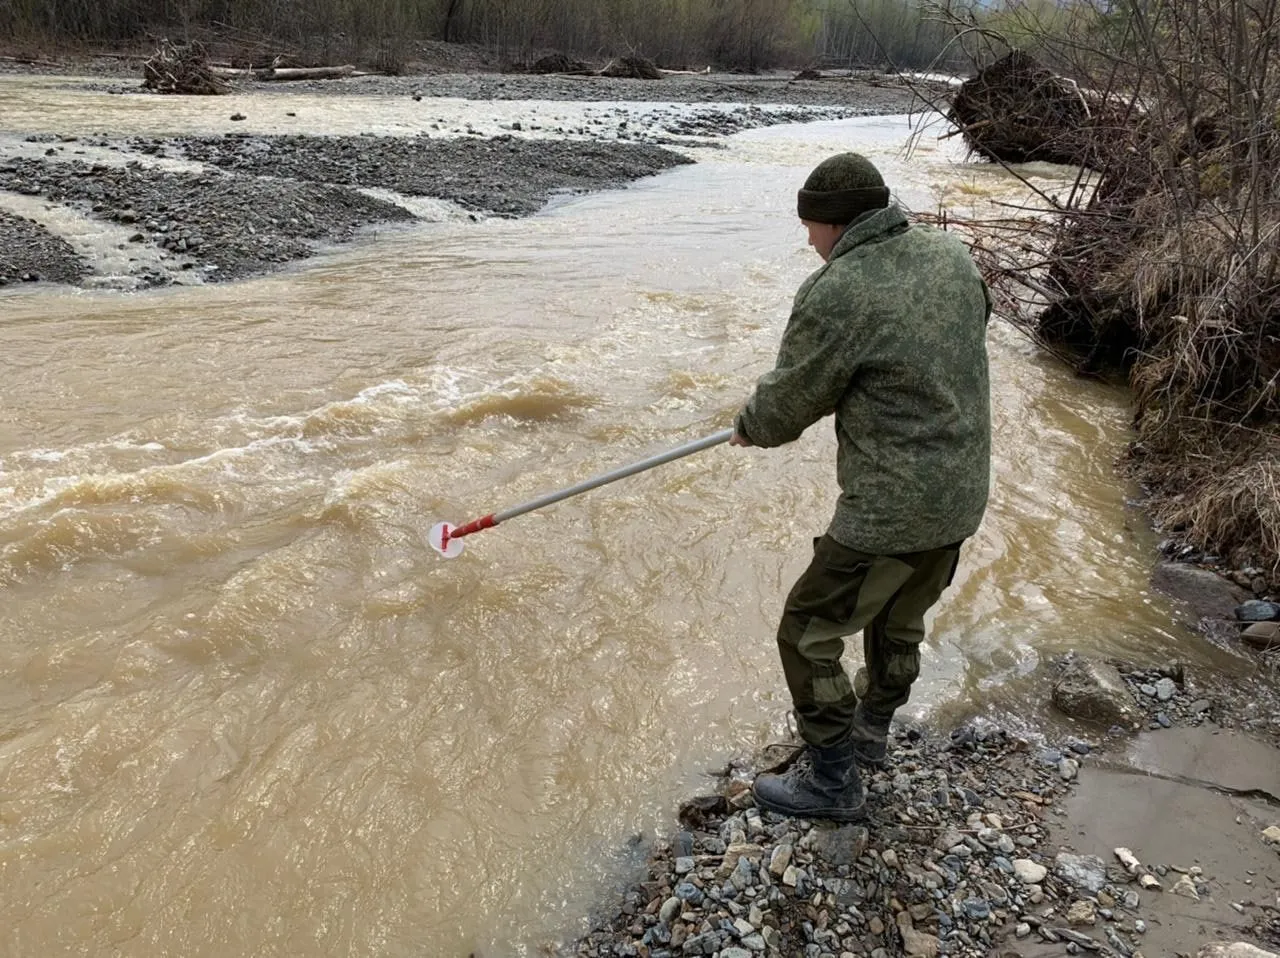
(824, 783)
(869, 735)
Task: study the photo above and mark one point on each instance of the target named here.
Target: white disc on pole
(440, 541)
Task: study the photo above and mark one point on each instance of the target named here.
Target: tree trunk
(308, 73)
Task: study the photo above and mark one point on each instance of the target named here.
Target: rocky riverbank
(453, 70)
(976, 844)
(30, 254)
(150, 211)
(265, 201)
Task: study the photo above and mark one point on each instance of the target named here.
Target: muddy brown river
(245, 711)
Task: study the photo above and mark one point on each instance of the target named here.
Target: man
(890, 334)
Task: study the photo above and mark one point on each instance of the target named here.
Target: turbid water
(244, 710)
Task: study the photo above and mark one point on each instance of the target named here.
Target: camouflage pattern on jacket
(890, 334)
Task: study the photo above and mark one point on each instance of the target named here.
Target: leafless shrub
(1169, 269)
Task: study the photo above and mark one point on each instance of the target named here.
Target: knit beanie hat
(842, 188)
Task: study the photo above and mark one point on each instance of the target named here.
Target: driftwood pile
(628, 67)
(1018, 111)
(632, 68)
(186, 68)
(182, 68)
(558, 63)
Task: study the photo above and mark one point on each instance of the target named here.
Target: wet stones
(932, 872)
(1208, 595)
(238, 225)
(505, 175)
(1262, 635)
(1086, 872)
(29, 253)
(1094, 691)
(1256, 610)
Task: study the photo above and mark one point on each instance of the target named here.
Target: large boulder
(1094, 691)
(1262, 635)
(1208, 594)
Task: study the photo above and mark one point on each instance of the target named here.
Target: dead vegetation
(1164, 263)
(558, 63)
(632, 67)
(1016, 110)
(182, 68)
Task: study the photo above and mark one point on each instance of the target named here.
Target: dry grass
(1167, 270)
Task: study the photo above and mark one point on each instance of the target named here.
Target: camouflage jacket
(890, 334)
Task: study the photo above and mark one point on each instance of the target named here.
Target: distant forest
(727, 34)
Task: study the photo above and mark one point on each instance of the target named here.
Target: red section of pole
(477, 525)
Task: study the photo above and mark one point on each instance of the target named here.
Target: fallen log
(284, 74)
(29, 61)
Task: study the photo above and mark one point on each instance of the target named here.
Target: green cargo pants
(842, 591)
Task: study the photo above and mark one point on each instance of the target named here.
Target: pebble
(1185, 887)
(1087, 872)
(1022, 930)
(687, 891)
(1166, 689)
(989, 837)
(1050, 756)
(1029, 872)
(1082, 913)
(977, 909)
(779, 860)
(1068, 768)
(682, 847)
